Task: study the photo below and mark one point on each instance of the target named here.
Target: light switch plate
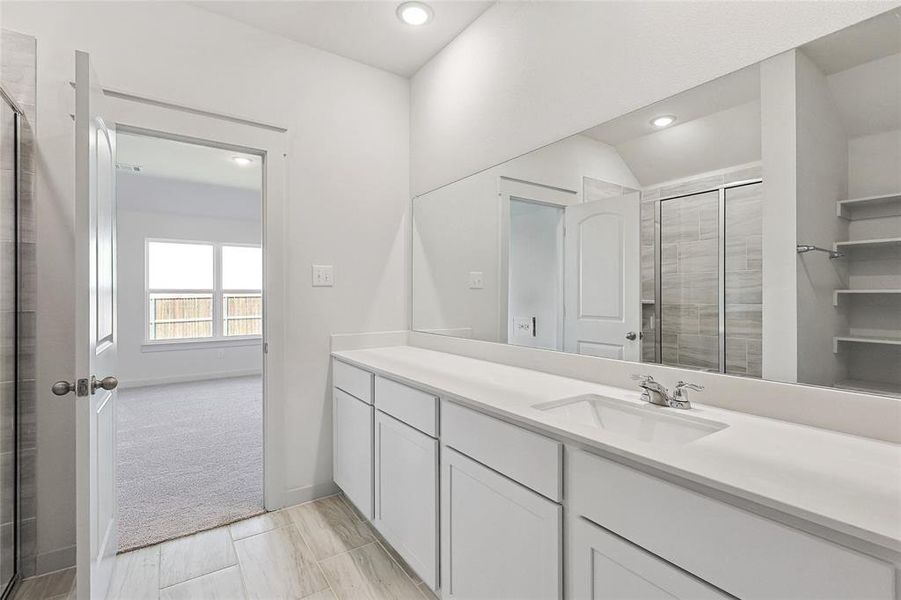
(323, 276)
(476, 280)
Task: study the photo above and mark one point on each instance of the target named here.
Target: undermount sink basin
(647, 423)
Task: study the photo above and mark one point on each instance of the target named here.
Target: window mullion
(218, 298)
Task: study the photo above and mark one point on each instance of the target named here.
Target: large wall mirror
(750, 226)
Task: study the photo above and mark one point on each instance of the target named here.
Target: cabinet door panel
(603, 566)
(498, 539)
(406, 494)
(352, 471)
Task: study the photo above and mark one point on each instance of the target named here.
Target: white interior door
(602, 278)
(95, 335)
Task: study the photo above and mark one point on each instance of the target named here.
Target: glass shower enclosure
(708, 279)
(9, 347)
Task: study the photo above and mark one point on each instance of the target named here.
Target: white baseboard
(135, 383)
(55, 560)
(311, 492)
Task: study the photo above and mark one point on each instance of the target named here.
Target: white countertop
(845, 483)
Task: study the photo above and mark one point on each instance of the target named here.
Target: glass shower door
(8, 346)
(690, 269)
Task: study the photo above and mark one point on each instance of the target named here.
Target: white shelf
(875, 292)
(863, 339)
(845, 208)
(876, 387)
(861, 244)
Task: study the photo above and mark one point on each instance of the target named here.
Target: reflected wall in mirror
(750, 226)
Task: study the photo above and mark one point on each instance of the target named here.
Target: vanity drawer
(353, 380)
(739, 552)
(529, 458)
(414, 407)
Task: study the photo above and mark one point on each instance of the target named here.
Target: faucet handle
(642, 378)
(682, 385)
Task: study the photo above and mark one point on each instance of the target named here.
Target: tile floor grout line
(290, 523)
(328, 583)
(378, 540)
(343, 552)
(399, 566)
(198, 577)
(241, 570)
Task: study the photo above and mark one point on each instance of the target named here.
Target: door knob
(61, 388)
(107, 383)
(631, 335)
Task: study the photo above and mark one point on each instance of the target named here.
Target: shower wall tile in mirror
(721, 229)
(17, 497)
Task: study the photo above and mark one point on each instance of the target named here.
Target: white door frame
(160, 119)
(535, 193)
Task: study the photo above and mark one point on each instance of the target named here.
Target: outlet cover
(323, 276)
(476, 280)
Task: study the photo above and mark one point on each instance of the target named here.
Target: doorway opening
(189, 226)
(535, 272)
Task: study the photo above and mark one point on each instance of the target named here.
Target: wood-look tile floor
(321, 550)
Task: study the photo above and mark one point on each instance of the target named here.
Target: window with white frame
(203, 290)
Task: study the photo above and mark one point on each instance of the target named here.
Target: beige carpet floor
(190, 458)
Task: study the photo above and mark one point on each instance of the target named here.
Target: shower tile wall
(18, 77)
(744, 280)
(689, 266)
(648, 287)
(690, 273)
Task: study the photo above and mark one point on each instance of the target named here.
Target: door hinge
(265, 347)
(81, 387)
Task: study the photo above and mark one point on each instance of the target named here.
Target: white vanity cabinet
(406, 475)
(722, 547)
(604, 566)
(475, 505)
(499, 538)
(352, 418)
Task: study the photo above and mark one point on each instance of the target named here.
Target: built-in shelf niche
(878, 243)
(839, 340)
(869, 207)
(872, 293)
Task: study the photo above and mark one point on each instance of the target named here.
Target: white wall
(874, 164)
(457, 229)
(713, 142)
(528, 73)
(139, 218)
(778, 117)
(822, 180)
(348, 182)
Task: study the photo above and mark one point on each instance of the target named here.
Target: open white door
(602, 278)
(95, 335)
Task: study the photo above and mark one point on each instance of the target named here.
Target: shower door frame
(721, 265)
(9, 588)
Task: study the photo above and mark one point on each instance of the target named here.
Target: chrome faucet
(680, 394)
(655, 392)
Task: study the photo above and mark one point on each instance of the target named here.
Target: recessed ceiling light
(414, 13)
(241, 160)
(663, 121)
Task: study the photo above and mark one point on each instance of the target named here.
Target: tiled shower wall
(744, 280)
(690, 271)
(18, 76)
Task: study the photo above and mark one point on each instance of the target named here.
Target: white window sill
(169, 345)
